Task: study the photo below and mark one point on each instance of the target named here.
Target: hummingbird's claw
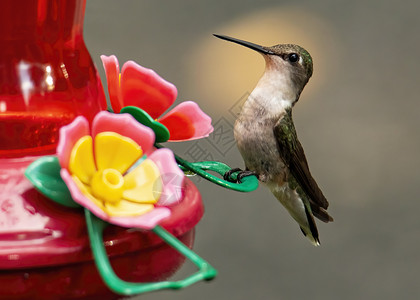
(229, 173)
(240, 175)
(245, 173)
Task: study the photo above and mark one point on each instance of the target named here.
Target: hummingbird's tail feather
(299, 208)
(314, 242)
(314, 236)
(321, 213)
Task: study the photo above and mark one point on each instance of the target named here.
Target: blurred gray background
(358, 120)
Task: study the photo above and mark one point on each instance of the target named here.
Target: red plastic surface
(47, 76)
(81, 280)
(35, 231)
(42, 242)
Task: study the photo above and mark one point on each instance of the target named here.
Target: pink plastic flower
(106, 171)
(143, 88)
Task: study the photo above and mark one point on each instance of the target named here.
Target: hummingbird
(267, 140)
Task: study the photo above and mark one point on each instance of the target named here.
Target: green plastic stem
(248, 184)
(95, 229)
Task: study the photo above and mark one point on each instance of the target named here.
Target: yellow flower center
(108, 185)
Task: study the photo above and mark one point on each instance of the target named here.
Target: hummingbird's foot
(240, 175)
(229, 173)
(245, 173)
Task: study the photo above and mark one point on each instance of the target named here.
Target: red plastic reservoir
(44, 246)
(47, 78)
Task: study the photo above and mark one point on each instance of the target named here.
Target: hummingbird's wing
(291, 152)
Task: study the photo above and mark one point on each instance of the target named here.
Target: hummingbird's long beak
(252, 46)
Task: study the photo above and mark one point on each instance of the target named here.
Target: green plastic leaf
(161, 132)
(44, 174)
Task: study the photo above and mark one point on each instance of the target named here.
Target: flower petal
(112, 72)
(115, 151)
(143, 184)
(147, 221)
(145, 89)
(187, 121)
(125, 125)
(81, 194)
(125, 208)
(172, 176)
(82, 163)
(69, 135)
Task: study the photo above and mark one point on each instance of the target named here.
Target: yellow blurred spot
(224, 72)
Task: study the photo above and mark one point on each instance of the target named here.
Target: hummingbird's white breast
(254, 133)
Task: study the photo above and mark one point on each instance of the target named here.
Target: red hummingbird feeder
(90, 205)
(47, 78)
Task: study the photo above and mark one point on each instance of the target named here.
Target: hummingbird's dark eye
(293, 57)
